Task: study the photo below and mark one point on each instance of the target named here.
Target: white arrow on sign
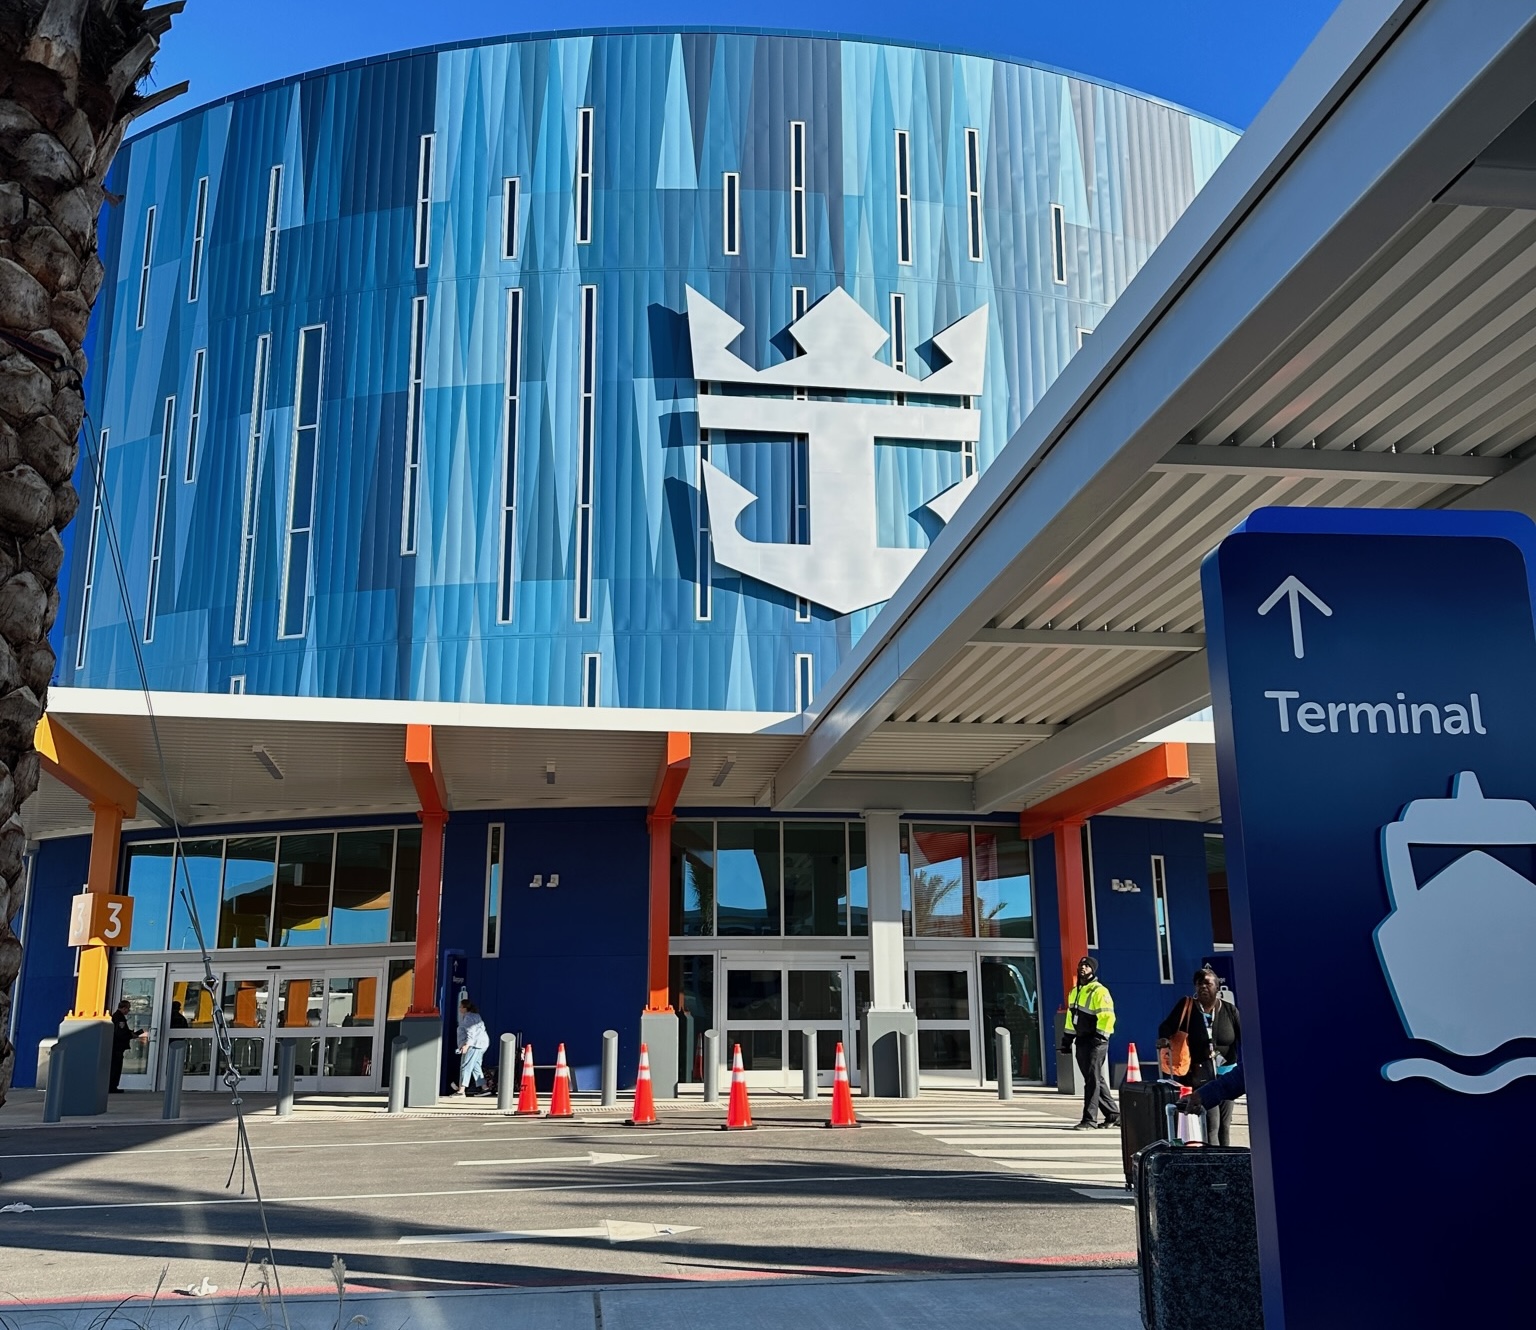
(1293, 588)
(591, 1157)
(610, 1230)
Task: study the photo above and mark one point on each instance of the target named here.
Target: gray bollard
(610, 1068)
(506, 1074)
(808, 1064)
(175, 1068)
(909, 1064)
(399, 1056)
(53, 1096)
(711, 1066)
(1004, 1056)
(287, 1053)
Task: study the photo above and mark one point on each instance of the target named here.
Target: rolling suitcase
(1144, 1118)
(1197, 1239)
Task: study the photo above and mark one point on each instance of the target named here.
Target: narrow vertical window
(493, 856)
(269, 244)
(514, 372)
(195, 412)
(898, 332)
(1090, 904)
(800, 469)
(1083, 334)
(903, 197)
(144, 267)
(800, 301)
(236, 684)
(591, 679)
(805, 679)
(730, 221)
(302, 468)
(968, 457)
(411, 501)
(250, 508)
(584, 480)
(157, 531)
(797, 188)
(703, 595)
(1160, 905)
(584, 178)
(90, 547)
(1058, 245)
(424, 200)
(511, 201)
(199, 232)
(973, 191)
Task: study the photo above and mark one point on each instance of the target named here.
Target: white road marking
(223, 1147)
(610, 1230)
(1106, 1194)
(591, 1157)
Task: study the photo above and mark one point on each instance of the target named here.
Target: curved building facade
(401, 368)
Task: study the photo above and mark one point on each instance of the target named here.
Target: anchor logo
(842, 566)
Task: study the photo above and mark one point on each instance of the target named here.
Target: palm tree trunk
(69, 77)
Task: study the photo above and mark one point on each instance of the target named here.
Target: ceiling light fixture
(725, 770)
(549, 773)
(268, 761)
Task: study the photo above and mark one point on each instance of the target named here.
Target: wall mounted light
(554, 880)
(268, 761)
(549, 773)
(538, 881)
(725, 770)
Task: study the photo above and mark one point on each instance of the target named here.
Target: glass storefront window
(940, 859)
(246, 913)
(402, 975)
(200, 871)
(693, 998)
(815, 995)
(941, 995)
(352, 1001)
(1004, 906)
(747, 878)
(147, 878)
(300, 1003)
(693, 879)
(754, 995)
(360, 900)
(858, 881)
(815, 879)
(1010, 997)
(402, 924)
(303, 890)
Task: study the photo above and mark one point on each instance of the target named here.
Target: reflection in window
(754, 995)
(360, 902)
(246, 913)
(493, 866)
(199, 872)
(1003, 905)
(940, 876)
(300, 1003)
(1010, 997)
(692, 983)
(147, 878)
(245, 1004)
(747, 878)
(402, 926)
(352, 1001)
(402, 974)
(815, 879)
(303, 890)
(693, 879)
(858, 881)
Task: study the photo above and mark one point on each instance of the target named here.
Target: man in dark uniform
(1090, 1022)
(122, 1038)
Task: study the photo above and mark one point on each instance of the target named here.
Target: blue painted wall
(47, 988)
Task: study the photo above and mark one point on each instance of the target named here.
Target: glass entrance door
(941, 992)
(140, 987)
(768, 1003)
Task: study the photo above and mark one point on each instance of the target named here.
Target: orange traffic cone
(560, 1097)
(645, 1101)
(738, 1115)
(842, 1095)
(527, 1092)
(1132, 1067)
(1191, 1126)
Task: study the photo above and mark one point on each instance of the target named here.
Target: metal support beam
(670, 776)
(1079, 638)
(426, 772)
(1148, 772)
(959, 729)
(1333, 464)
(852, 794)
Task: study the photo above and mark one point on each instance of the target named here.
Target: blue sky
(1220, 57)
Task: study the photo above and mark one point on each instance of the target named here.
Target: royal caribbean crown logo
(841, 566)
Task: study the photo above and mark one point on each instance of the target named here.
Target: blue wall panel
(47, 988)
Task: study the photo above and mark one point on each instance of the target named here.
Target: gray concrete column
(889, 1027)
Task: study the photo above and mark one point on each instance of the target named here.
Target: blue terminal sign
(1374, 682)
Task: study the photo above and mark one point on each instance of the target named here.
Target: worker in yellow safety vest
(1090, 1022)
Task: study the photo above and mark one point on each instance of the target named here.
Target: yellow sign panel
(100, 920)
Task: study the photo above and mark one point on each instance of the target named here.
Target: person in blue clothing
(1229, 1085)
(473, 1041)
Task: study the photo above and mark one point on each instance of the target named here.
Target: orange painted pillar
(669, 784)
(100, 879)
(429, 893)
(1071, 901)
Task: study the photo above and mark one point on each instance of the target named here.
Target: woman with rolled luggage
(1200, 1036)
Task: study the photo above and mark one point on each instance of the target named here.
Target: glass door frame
(154, 1026)
(959, 962)
(788, 1076)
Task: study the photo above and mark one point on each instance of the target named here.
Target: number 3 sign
(102, 920)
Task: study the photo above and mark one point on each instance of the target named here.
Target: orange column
(101, 879)
(426, 771)
(1071, 901)
(669, 784)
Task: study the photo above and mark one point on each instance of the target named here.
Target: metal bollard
(287, 1053)
(1004, 1056)
(711, 1066)
(909, 1064)
(53, 1096)
(610, 1068)
(808, 1064)
(175, 1068)
(397, 1062)
(506, 1074)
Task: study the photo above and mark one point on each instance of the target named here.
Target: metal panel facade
(508, 440)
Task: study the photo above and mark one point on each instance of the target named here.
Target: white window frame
(195, 411)
(898, 332)
(1161, 919)
(968, 457)
(199, 237)
(799, 302)
(903, 197)
(1083, 334)
(730, 212)
(1058, 244)
(592, 679)
(424, 155)
(704, 586)
(237, 685)
(511, 392)
(511, 214)
(415, 427)
(973, 218)
(91, 544)
(587, 452)
(307, 529)
(272, 232)
(585, 131)
(799, 243)
(495, 884)
(157, 530)
(251, 507)
(145, 267)
(805, 681)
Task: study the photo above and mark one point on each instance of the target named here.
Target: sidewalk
(1097, 1300)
